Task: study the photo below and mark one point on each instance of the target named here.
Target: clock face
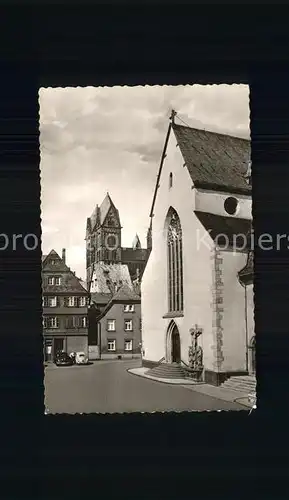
(111, 241)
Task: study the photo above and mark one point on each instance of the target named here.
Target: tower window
(111, 241)
(170, 180)
(231, 205)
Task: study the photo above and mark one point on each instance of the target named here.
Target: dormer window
(170, 180)
(54, 280)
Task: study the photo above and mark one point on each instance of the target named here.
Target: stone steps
(168, 371)
(245, 384)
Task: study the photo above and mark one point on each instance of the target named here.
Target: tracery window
(175, 263)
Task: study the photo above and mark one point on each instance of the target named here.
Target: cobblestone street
(107, 387)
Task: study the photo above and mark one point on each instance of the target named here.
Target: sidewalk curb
(164, 381)
(194, 386)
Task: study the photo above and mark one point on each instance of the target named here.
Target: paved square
(107, 387)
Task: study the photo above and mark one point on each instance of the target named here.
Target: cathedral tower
(103, 236)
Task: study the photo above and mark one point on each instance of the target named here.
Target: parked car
(81, 358)
(62, 359)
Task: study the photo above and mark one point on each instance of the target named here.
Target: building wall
(213, 202)
(77, 343)
(250, 312)
(197, 268)
(234, 335)
(71, 342)
(93, 352)
(250, 327)
(75, 339)
(119, 335)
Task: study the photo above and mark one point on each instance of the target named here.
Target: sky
(95, 140)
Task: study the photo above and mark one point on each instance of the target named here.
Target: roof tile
(214, 161)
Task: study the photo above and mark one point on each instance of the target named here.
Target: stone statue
(195, 351)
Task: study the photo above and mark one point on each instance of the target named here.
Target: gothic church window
(171, 180)
(175, 263)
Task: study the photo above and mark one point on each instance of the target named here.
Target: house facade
(196, 311)
(115, 328)
(65, 308)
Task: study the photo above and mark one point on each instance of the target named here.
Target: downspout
(99, 337)
(246, 328)
(246, 322)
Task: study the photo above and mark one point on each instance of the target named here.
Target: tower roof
(105, 207)
(136, 242)
(99, 214)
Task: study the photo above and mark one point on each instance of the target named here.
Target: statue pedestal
(196, 375)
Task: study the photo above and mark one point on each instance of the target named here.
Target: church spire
(136, 242)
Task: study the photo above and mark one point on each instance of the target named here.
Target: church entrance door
(176, 345)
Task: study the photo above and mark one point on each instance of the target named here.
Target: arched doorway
(173, 344)
(176, 345)
(252, 356)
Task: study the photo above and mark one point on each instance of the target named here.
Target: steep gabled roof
(108, 276)
(123, 296)
(101, 298)
(69, 282)
(217, 226)
(105, 207)
(214, 161)
(93, 220)
(58, 266)
(100, 213)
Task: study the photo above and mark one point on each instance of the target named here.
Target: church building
(113, 275)
(197, 286)
(104, 247)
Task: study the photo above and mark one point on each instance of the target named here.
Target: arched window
(171, 180)
(175, 262)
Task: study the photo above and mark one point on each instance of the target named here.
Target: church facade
(197, 286)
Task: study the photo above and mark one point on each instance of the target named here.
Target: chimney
(63, 255)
